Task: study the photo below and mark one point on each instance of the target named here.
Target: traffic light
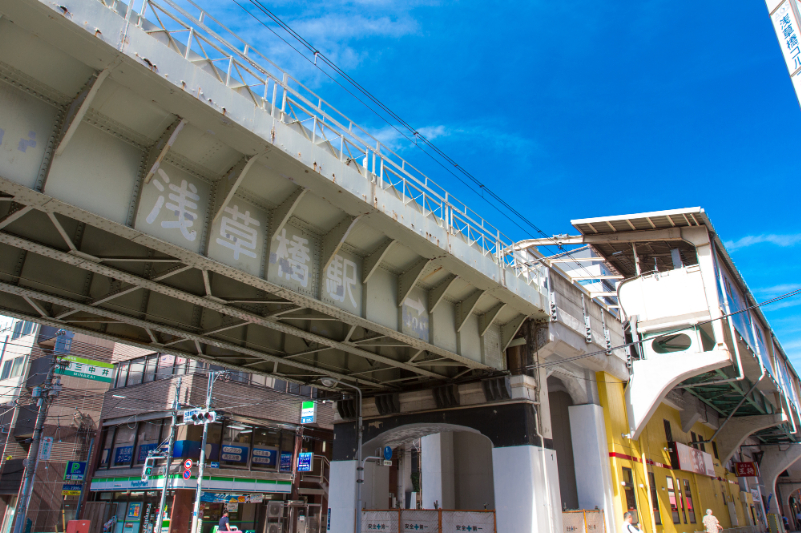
(147, 468)
(199, 416)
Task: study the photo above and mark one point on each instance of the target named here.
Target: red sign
(748, 469)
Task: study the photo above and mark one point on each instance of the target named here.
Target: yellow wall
(707, 493)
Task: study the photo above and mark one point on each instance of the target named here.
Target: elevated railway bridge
(165, 185)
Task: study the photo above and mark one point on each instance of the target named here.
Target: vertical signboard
(784, 17)
(45, 448)
(308, 412)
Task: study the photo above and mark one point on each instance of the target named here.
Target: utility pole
(43, 394)
(201, 465)
(175, 404)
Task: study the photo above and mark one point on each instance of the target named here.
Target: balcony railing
(206, 42)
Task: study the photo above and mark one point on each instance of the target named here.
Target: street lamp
(330, 382)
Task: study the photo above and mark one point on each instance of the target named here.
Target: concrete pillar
(738, 429)
(342, 496)
(405, 477)
(526, 480)
(591, 459)
(774, 462)
(437, 471)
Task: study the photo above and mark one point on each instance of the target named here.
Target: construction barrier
(428, 521)
(583, 521)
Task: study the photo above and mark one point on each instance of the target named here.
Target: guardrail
(205, 41)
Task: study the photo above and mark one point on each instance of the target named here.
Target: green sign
(87, 369)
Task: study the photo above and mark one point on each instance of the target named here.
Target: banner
(692, 460)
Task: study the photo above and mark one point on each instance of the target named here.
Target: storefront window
(136, 369)
(149, 438)
(265, 449)
(628, 489)
(150, 368)
(654, 498)
(688, 498)
(674, 504)
(123, 445)
(236, 445)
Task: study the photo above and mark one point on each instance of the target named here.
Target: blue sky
(578, 109)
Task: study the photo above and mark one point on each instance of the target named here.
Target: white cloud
(750, 240)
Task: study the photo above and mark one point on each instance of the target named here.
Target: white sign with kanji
(174, 207)
(342, 282)
(293, 259)
(237, 236)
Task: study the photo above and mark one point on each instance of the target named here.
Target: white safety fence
(583, 522)
(428, 521)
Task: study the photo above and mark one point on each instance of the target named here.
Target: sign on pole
(45, 447)
(87, 369)
(304, 462)
(308, 412)
(75, 471)
(188, 464)
(387, 453)
(746, 469)
(187, 474)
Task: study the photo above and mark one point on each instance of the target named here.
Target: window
(122, 375)
(150, 368)
(166, 363)
(654, 499)
(6, 370)
(693, 438)
(135, 370)
(180, 366)
(235, 448)
(265, 448)
(677, 342)
(105, 454)
(16, 368)
(27, 328)
(674, 504)
(122, 452)
(688, 498)
(628, 489)
(715, 450)
(148, 439)
(17, 330)
(668, 432)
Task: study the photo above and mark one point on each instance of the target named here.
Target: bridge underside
(142, 207)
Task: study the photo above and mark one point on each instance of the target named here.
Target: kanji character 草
(238, 232)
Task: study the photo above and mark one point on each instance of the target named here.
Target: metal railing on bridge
(433, 520)
(229, 58)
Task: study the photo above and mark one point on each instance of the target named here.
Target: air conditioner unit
(274, 527)
(275, 510)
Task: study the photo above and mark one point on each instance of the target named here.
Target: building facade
(252, 451)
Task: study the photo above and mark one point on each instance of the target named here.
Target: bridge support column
(527, 496)
(774, 462)
(591, 459)
(654, 377)
(437, 471)
(342, 496)
(738, 429)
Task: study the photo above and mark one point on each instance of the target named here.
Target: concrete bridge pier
(486, 456)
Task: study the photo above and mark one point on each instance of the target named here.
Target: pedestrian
(225, 524)
(711, 523)
(628, 523)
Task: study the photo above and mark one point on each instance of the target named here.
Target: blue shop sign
(123, 455)
(234, 454)
(286, 462)
(265, 456)
(304, 462)
(75, 471)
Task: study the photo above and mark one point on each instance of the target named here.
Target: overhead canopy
(618, 236)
